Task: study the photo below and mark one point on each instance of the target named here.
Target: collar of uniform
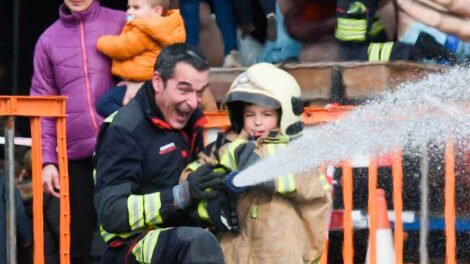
(73, 18)
(273, 136)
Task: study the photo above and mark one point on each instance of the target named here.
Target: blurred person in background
(66, 62)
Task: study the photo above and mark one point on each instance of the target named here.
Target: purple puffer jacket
(67, 63)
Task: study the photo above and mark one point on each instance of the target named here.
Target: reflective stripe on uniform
(273, 148)
(135, 208)
(152, 204)
(227, 158)
(317, 261)
(202, 211)
(380, 51)
(376, 27)
(110, 118)
(351, 29)
(109, 236)
(286, 184)
(193, 165)
(143, 250)
(324, 182)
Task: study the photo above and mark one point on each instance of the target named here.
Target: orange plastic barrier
(36, 107)
(316, 116)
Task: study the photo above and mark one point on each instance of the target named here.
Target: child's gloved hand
(229, 183)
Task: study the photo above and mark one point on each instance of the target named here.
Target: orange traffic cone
(385, 252)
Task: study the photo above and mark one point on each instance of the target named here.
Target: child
(150, 27)
(284, 220)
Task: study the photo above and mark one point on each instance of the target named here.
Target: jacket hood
(163, 29)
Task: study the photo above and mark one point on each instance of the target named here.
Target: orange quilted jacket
(136, 49)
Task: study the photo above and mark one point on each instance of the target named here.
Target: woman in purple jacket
(67, 63)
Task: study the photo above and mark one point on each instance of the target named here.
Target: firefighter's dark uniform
(362, 36)
(139, 158)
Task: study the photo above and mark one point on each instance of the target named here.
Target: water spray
(410, 116)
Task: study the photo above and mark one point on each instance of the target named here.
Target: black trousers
(82, 212)
(182, 245)
(358, 51)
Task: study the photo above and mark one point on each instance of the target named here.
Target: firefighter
(283, 220)
(362, 37)
(145, 215)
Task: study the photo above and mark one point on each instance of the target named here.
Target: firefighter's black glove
(199, 185)
(426, 47)
(223, 214)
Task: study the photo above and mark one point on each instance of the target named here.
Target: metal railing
(35, 108)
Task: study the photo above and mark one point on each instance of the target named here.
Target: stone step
(344, 82)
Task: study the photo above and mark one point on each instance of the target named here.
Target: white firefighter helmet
(267, 85)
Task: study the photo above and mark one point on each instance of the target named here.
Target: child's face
(259, 120)
(142, 8)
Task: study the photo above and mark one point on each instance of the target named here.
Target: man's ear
(157, 82)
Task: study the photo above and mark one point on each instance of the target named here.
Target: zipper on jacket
(87, 79)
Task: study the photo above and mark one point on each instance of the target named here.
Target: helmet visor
(253, 98)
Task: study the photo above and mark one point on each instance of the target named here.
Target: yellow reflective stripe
(279, 140)
(286, 184)
(152, 204)
(284, 139)
(386, 51)
(254, 212)
(374, 51)
(194, 165)
(227, 158)
(380, 51)
(376, 28)
(108, 236)
(135, 208)
(110, 118)
(274, 147)
(351, 29)
(317, 261)
(202, 210)
(271, 149)
(324, 182)
(105, 235)
(143, 250)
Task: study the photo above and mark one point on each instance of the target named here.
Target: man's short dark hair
(180, 52)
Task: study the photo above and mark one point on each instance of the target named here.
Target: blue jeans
(225, 18)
